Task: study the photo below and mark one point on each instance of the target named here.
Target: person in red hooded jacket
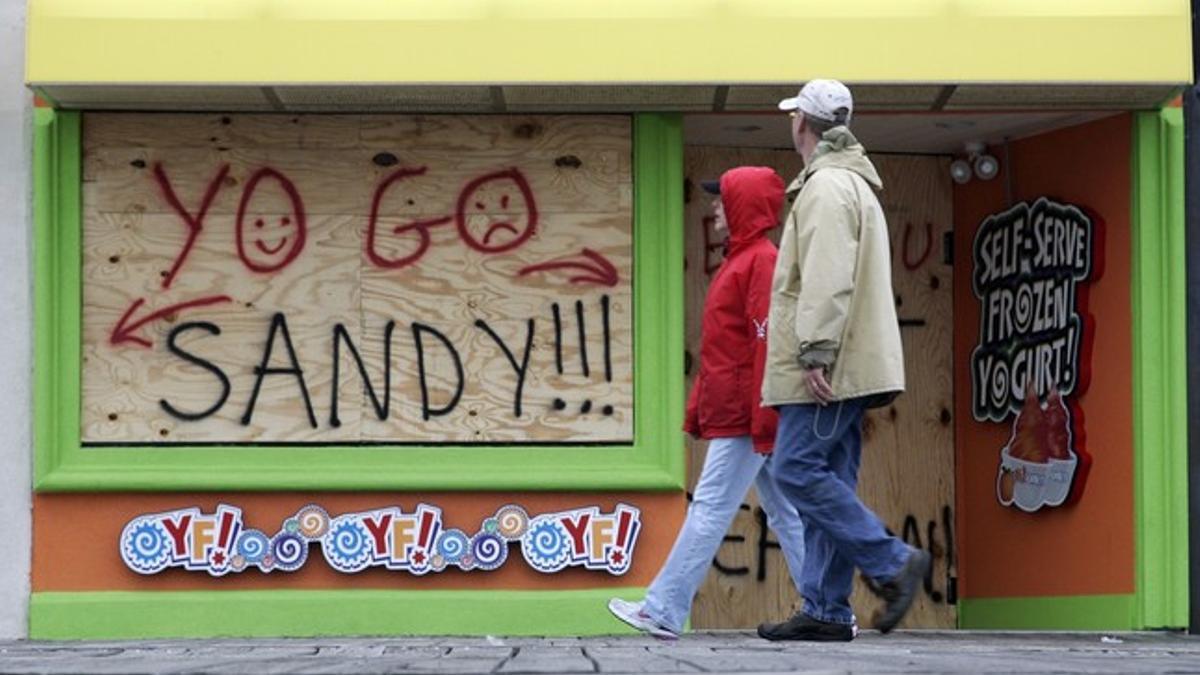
(723, 406)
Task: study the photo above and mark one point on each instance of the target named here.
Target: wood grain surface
(456, 237)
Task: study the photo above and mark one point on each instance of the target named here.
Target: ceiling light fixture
(977, 164)
(960, 171)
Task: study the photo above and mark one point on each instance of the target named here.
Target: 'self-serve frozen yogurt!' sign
(1032, 267)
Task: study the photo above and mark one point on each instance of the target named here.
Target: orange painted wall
(76, 538)
(1085, 548)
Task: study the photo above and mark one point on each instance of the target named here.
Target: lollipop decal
(453, 545)
(290, 550)
(253, 546)
(512, 522)
(347, 545)
(547, 548)
(489, 550)
(145, 546)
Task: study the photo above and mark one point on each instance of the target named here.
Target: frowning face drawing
(496, 212)
(270, 222)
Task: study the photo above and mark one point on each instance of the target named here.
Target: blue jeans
(730, 466)
(817, 455)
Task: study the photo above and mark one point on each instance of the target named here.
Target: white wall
(16, 323)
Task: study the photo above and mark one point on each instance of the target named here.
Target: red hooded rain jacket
(725, 396)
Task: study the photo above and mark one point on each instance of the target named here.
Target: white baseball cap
(827, 100)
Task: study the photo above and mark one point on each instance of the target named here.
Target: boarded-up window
(357, 279)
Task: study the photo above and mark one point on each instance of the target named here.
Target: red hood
(752, 196)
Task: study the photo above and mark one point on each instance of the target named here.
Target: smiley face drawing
(496, 212)
(268, 243)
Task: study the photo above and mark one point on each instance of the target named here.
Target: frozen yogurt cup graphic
(1029, 481)
(1063, 460)
(1006, 484)
(1058, 485)
(1038, 465)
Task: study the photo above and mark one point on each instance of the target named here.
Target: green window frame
(653, 461)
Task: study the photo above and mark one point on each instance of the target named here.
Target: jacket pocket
(723, 406)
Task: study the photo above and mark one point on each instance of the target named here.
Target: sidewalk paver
(714, 652)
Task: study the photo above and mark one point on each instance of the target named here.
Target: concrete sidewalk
(717, 652)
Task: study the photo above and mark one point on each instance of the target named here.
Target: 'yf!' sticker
(582, 538)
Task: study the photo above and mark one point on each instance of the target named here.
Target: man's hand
(818, 386)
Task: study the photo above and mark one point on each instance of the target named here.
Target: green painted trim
(1159, 372)
(57, 270)
(1078, 612)
(111, 615)
(654, 461)
(658, 284)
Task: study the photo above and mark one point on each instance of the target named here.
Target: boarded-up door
(908, 458)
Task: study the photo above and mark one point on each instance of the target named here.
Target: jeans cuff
(845, 619)
(898, 566)
(656, 615)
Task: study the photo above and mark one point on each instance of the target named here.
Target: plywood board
(908, 462)
(907, 472)
(459, 238)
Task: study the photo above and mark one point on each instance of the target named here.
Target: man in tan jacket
(833, 351)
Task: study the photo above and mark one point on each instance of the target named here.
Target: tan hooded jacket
(831, 296)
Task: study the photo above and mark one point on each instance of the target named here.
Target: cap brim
(790, 103)
(712, 187)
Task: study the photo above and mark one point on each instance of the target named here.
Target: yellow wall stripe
(606, 41)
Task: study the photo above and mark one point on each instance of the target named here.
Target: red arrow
(125, 331)
(597, 269)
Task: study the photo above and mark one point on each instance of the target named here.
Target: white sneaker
(632, 614)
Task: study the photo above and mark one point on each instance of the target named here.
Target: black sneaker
(898, 593)
(803, 627)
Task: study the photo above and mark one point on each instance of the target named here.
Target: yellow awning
(616, 42)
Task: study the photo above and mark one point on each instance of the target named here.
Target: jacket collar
(838, 148)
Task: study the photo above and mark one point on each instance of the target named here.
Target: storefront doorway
(908, 473)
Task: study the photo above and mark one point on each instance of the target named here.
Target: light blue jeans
(730, 466)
